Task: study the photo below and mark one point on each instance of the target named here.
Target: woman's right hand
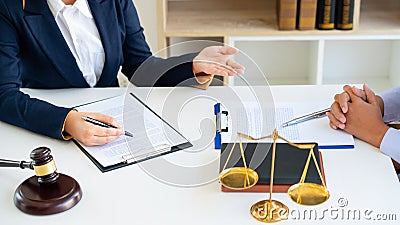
(90, 134)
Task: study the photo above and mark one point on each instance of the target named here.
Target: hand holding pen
(88, 133)
(102, 124)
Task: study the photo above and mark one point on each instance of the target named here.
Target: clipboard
(221, 124)
(126, 151)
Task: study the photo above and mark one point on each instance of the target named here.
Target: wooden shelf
(216, 18)
(368, 53)
(381, 17)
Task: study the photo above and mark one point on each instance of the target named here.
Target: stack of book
(319, 14)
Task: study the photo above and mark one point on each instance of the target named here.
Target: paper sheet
(150, 134)
(253, 120)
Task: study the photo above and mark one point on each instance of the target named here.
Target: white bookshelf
(373, 59)
(368, 53)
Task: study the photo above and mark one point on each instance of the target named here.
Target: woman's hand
(90, 134)
(216, 60)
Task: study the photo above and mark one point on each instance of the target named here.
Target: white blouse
(77, 25)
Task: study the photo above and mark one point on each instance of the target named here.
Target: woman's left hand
(216, 60)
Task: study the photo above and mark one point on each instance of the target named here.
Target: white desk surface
(362, 177)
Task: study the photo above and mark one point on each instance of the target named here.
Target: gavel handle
(12, 163)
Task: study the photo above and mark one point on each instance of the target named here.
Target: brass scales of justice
(240, 178)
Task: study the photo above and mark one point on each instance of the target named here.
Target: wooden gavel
(48, 192)
(42, 163)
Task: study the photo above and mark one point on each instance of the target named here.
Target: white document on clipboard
(152, 136)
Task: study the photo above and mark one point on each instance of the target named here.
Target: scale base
(269, 211)
(46, 199)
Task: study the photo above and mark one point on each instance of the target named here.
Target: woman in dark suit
(80, 44)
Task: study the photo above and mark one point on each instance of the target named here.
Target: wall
(147, 10)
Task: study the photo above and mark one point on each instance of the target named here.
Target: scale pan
(308, 193)
(269, 211)
(235, 178)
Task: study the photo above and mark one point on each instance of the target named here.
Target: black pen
(102, 124)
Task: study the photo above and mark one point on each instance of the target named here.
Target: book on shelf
(286, 12)
(344, 14)
(306, 14)
(326, 14)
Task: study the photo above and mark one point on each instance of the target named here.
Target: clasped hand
(359, 112)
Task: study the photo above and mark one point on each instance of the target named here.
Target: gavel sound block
(48, 192)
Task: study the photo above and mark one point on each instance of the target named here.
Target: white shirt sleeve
(391, 99)
(390, 144)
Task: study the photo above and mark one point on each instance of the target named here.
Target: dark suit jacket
(34, 54)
